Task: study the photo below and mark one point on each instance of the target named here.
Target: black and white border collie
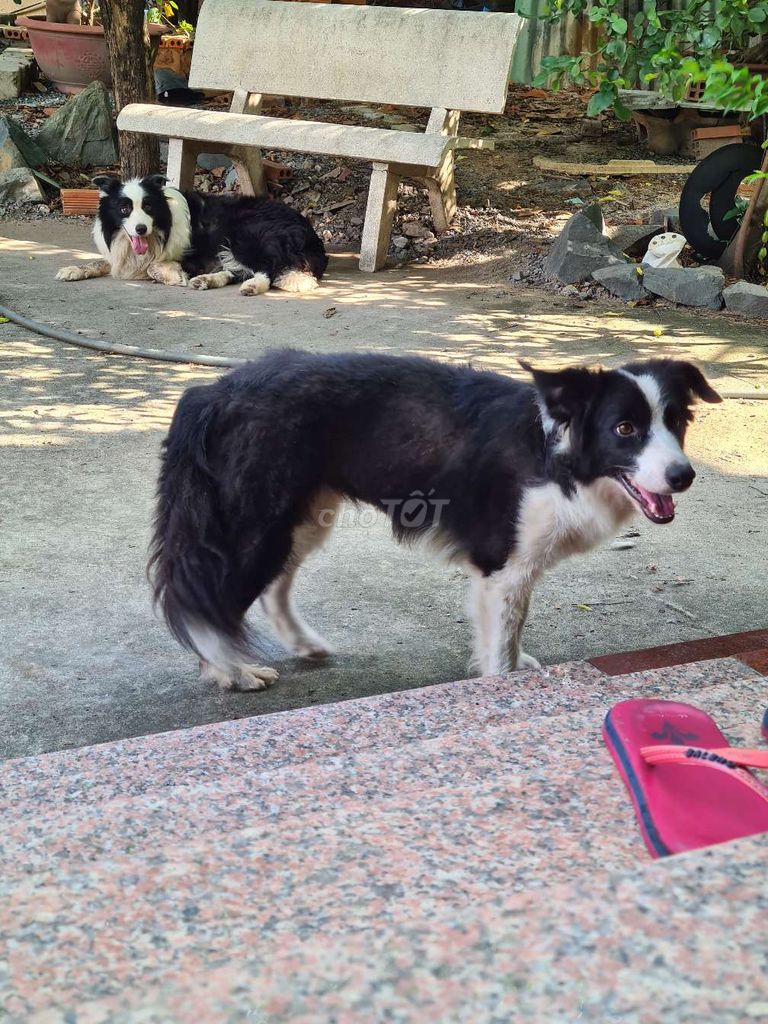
(147, 230)
(514, 476)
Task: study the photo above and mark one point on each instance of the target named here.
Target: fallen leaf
(584, 607)
(658, 331)
(4, 320)
(331, 311)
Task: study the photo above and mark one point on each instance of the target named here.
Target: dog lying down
(146, 230)
(505, 477)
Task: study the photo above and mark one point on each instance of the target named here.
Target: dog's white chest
(553, 525)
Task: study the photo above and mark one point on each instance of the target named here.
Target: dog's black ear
(697, 384)
(106, 183)
(565, 393)
(158, 180)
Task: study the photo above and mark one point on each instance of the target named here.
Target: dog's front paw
(525, 661)
(71, 274)
(167, 273)
(218, 280)
(243, 679)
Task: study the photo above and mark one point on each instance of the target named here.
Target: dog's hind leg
(297, 281)
(276, 599)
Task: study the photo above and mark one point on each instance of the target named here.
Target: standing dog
(147, 230)
(518, 476)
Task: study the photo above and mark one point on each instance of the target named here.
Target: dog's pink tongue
(659, 504)
(139, 244)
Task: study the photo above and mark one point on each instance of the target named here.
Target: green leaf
(762, 253)
(601, 100)
(757, 15)
(619, 25)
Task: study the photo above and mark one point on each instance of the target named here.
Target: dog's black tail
(191, 564)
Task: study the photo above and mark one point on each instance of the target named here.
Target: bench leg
(379, 214)
(249, 170)
(442, 195)
(182, 159)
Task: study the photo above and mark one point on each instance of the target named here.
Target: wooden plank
(614, 168)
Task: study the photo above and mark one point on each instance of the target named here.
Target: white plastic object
(664, 249)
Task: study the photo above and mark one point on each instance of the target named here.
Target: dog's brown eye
(624, 429)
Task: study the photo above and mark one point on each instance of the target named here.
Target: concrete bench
(448, 61)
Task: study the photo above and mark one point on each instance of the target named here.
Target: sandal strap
(729, 757)
(723, 759)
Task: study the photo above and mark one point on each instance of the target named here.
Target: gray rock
(413, 229)
(633, 239)
(594, 214)
(743, 297)
(625, 281)
(83, 131)
(688, 286)
(17, 67)
(211, 160)
(17, 149)
(567, 187)
(19, 185)
(667, 218)
(582, 248)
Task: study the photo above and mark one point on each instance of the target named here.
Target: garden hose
(115, 349)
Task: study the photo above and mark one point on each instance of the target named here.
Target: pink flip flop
(688, 787)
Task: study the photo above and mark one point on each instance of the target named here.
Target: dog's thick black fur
(264, 236)
(247, 457)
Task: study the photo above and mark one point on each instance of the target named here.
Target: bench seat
(378, 145)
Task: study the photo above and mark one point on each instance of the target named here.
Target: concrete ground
(84, 661)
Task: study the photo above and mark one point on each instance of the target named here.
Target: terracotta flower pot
(73, 56)
(175, 53)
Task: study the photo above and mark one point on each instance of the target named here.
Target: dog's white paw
(255, 677)
(312, 647)
(299, 281)
(256, 285)
(526, 661)
(71, 274)
(244, 679)
(167, 273)
(205, 281)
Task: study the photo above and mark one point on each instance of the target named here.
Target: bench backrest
(391, 55)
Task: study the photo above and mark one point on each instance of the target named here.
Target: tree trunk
(740, 258)
(132, 80)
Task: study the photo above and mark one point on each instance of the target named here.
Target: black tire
(718, 176)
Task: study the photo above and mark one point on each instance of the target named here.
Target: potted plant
(73, 53)
(175, 50)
